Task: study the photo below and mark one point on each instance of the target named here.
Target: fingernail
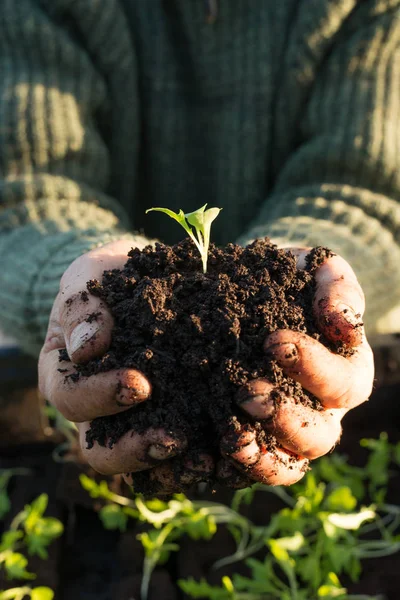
(123, 404)
(259, 407)
(161, 452)
(127, 396)
(285, 354)
(349, 315)
(81, 335)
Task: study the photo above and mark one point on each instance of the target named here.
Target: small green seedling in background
(201, 220)
(324, 532)
(31, 531)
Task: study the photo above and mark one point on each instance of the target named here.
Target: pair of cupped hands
(302, 432)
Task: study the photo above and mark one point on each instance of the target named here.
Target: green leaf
(42, 593)
(157, 518)
(377, 467)
(335, 469)
(89, 485)
(201, 220)
(259, 569)
(341, 499)
(201, 526)
(131, 512)
(148, 542)
(156, 505)
(332, 588)
(330, 591)
(35, 510)
(331, 531)
(154, 548)
(292, 543)
(339, 556)
(18, 593)
(279, 552)
(36, 546)
(15, 565)
(353, 568)
(246, 496)
(227, 584)
(288, 522)
(333, 579)
(113, 517)
(310, 570)
(9, 539)
(96, 490)
(310, 495)
(351, 521)
(49, 528)
(201, 589)
(39, 505)
(178, 217)
(262, 579)
(44, 531)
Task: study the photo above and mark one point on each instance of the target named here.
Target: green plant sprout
(324, 531)
(20, 593)
(169, 520)
(201, 220)
(29, 531)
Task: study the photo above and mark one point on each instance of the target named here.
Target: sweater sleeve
(341, 187)
(55, 108)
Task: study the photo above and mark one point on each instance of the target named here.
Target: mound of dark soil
(198, 337)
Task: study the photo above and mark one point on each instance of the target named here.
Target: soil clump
(199, 337)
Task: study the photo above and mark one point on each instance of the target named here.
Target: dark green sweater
(286, 113)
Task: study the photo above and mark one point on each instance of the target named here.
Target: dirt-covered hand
(81, 324)
(339, 383)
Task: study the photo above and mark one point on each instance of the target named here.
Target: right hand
(105, 393)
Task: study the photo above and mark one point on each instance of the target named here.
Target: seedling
(324, 532)
(29, 530)
(201, 220)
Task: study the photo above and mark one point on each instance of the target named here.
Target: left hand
(302, 432)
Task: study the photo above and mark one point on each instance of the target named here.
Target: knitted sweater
(286, 114)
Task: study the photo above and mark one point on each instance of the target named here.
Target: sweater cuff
(31, 279)
(360, 239)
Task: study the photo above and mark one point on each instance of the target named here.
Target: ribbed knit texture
(286, 114)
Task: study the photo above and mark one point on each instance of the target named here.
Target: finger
(85, 320)
(256, 399)
(241, 445)
(85, 398)
(157, 482)
(133, 451)
(271, 465)
(339, 302)
(296, 426)
(338, 382)
(300, 254)
(304, 430)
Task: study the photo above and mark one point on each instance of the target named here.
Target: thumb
(85, 320)
(87, 326)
